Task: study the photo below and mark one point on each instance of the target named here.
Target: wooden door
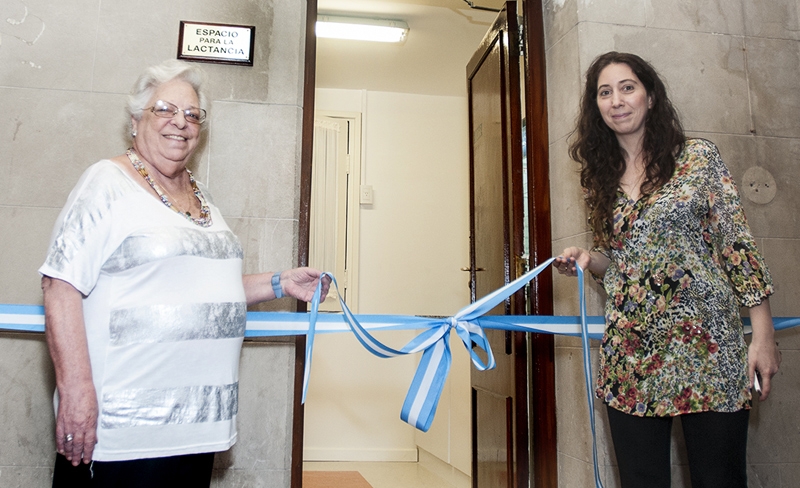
(499, 397)
(513, 416)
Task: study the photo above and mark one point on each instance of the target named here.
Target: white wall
(413, 241)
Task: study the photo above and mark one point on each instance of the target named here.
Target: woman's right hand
(570, 258)
(77, 399)
(76, 422)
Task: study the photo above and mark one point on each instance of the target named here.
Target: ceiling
(443, 35)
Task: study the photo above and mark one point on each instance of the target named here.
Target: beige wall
(413, 240)
(65, 68)
(731, 67)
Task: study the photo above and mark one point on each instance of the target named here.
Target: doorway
(410, 172)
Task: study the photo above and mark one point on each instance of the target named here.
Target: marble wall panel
(277, 72)
(286, 61)
(574, 433)
(269, 244)
(573, 472)
(26, 406)
(251, 478)
(153, 37)
(776, 19)
(25, 477)
(560, 17)
(773, 66)
(130, 37)
(49, 137)
(787, 339)
(564, 81)
(618, 12)
(597, 38)
(715, 64)
(712, 16)
(46, 44)
(253, 154)
(774, 433)
(790, 473)
(570, 213)
(783, 261)
(705, 78)
(764, 475)
(777, 219)
(265, 416)
(24, 248)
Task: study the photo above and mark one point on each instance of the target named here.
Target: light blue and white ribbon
(426, 387)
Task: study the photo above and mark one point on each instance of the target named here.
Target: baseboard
(444, 470)
(355, 455)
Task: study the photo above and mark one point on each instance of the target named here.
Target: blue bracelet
(276, 285)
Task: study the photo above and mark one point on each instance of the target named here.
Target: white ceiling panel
(443, 35)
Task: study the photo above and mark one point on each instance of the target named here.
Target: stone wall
(65, 70)
(731, 67)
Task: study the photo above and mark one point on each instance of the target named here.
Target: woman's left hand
(301, 283)
(764, 358)
(763, 355)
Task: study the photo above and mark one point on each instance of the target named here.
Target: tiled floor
(386, 475)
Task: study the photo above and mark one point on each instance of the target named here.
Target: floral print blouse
(682, 263)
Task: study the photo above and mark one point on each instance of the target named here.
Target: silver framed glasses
(168, 110)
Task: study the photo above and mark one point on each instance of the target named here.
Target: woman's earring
(133, 133)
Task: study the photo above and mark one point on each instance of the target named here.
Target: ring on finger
(69, 437)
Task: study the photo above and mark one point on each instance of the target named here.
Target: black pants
(716, 444)
(193, 470)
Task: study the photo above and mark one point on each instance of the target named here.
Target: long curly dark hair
(596, 148)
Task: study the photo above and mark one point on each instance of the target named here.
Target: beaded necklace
(205, 214)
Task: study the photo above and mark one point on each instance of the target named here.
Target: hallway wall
(731, 68)
(65, 70)
(413, 241)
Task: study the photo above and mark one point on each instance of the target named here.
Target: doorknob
(468, 268)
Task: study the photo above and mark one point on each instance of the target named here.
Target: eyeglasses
(167, 110)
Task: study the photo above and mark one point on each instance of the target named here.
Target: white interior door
(333, 245)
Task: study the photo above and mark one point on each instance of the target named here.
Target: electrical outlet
(366, 195)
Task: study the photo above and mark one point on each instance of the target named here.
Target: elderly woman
(145, 304)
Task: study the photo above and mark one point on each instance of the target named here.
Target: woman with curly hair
(676, 257)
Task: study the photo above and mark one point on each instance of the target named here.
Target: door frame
(542, 346)
(303, 229)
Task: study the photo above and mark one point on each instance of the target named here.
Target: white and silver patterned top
(165, 315)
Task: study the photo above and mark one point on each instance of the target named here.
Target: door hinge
(521, 264)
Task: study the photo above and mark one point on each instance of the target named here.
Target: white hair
(154, 76)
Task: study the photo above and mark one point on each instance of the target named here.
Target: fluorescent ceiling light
(361, 29)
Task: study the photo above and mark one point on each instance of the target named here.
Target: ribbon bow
(426, 388)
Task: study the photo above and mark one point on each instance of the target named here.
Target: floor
(385, 475)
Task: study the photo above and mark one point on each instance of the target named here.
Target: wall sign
(216, 43)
